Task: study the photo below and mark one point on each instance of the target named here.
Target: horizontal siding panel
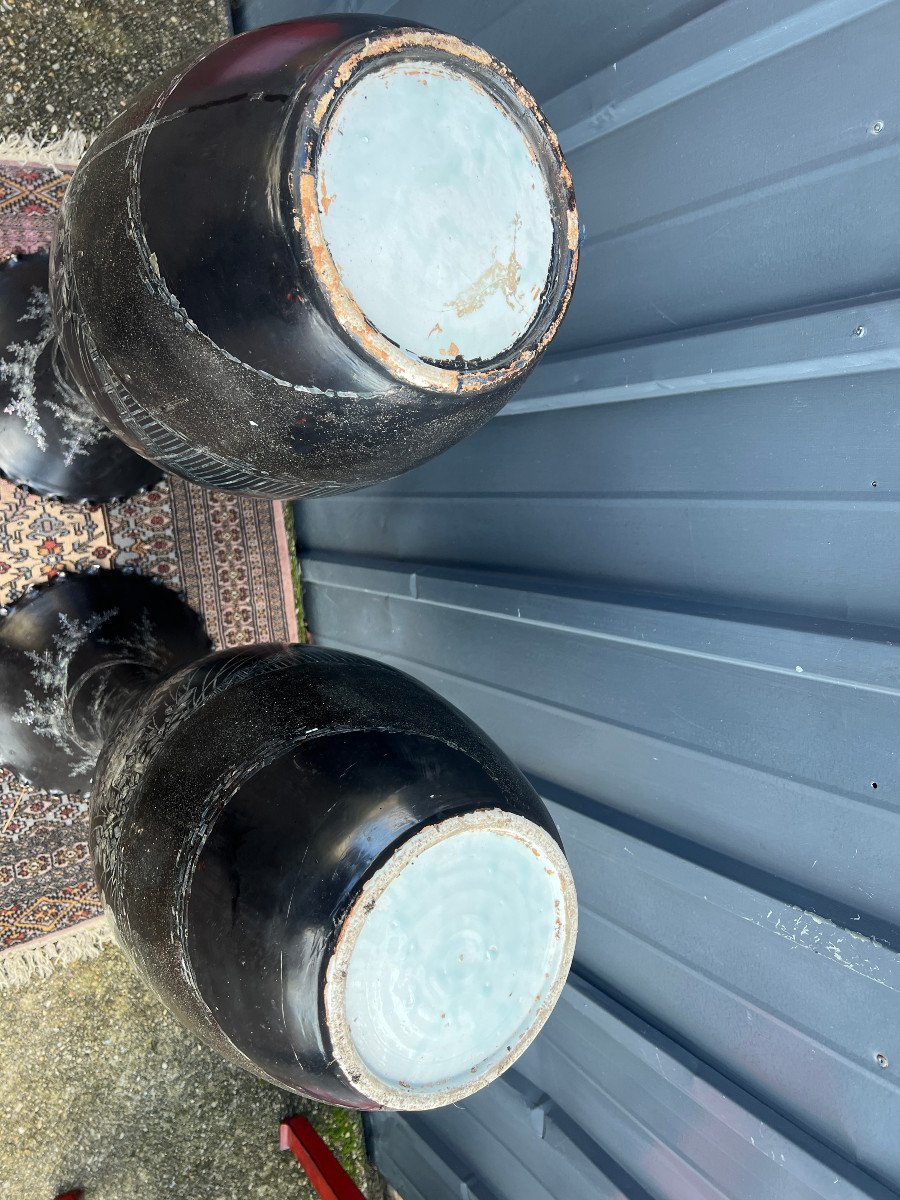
(679, 203)
(694, 724)
(689, 496)
(528, 1150)
(769, 555)
(421, 1168)
(686, 1129)
(761, 989)
(568, 44)
(666, 579)
(730, 39)
(719, 263)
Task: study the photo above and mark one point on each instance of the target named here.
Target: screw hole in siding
(876, 127)
(873, 785)
(882, 1061)
(874, 483)
(859, 331)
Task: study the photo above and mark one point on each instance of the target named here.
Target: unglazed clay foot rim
(361, 55)
(547, 851)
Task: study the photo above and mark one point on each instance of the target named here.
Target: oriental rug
(229, 554)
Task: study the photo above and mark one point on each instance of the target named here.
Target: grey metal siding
(666, 579)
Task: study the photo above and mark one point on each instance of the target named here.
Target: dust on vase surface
(265, 370)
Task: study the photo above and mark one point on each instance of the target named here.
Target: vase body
(198, 305)
(247, 819)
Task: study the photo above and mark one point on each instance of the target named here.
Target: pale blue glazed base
(435, 211)
(458, 953)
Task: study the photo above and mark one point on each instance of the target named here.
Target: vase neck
(103, 694)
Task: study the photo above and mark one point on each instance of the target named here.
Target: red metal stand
(325, 1173)
(76, 1195)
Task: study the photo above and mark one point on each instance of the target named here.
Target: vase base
(51, 441)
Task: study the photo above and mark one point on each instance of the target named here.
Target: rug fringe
(47, 152)
(37, 960)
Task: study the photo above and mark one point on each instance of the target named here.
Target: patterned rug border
(21, 965)
(221, 549)
(285, 563)
(61, 154)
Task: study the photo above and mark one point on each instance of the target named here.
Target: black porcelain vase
(323, 869)
(52, 439)
(313, 257)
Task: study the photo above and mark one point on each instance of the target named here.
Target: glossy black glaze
(282, 866)
(240, 802)
(237, 816)
(75, 656)
(80, 459)
(188, 310)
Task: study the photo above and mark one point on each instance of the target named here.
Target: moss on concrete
(295, 569)
(101, 1088)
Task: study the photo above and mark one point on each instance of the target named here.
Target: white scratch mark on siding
(812, 932)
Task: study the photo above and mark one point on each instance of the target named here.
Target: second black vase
(323, 869)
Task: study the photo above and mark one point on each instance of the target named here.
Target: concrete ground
(101, 1088)
(73, 64)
